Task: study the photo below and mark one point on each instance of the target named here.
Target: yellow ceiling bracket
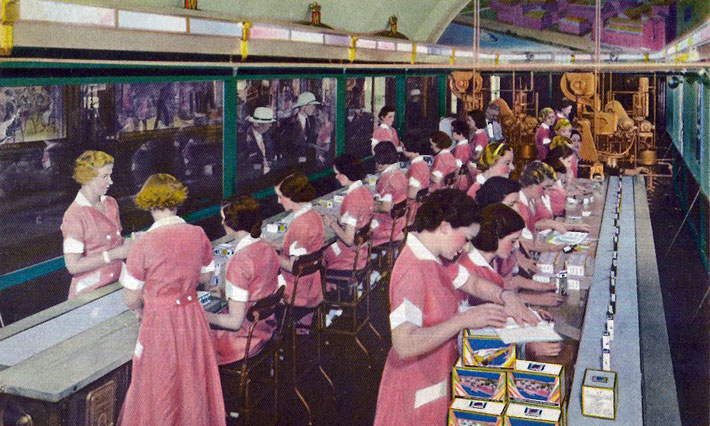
(351, 50)
(9, 14)
(451, 58)
(414, 53)
(244, 42)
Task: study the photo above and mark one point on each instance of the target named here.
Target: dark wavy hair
(350, 166)
(297, 188)
(495, 190)
(460, 127)
(440, 139)
(533, 174)
(446, 205)
(497, 222)
(553, 158)
(243, 213)
(478, 117)
(385, 154)
(384, 111)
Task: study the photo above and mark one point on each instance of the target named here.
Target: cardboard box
(532, 415)
(482, 349)
(537, 383)
(220, 270)
(546, 262)
(467, 412)
(577, 264)
(338, 199)
(224, 249)
(600, 394)
(328, 204)
(544, 278)
(478, 383)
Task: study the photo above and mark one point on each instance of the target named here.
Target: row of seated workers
(462, 229)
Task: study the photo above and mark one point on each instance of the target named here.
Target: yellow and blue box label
(532, 415)
(468, 412)
(482, 350)
(537, 383)
(478, 383)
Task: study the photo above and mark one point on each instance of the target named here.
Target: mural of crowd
(284, 124)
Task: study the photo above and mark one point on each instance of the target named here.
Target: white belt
(431, 393)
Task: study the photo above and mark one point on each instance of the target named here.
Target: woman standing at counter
(495, 160)
(175, 380)
(93, 247)
(251, 275)
(305, 235)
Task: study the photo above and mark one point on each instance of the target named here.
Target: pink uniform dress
(575, 165)
(418, 175)
(416, 391)
(357, 210)
(391, 187)
(477, 266)
(444, 163)
(304, 236)
(480, 180)
(87, 231)
(464, 153)
(527, 212)
(480, 141)
(387, 133)
(252, 274)
(175, 380)
(543, 137)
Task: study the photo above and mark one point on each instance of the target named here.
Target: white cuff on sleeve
(387, 198)
(73, 246)
(295, 250)
(208, 268)
(546, 141)
(461, 277)
(346, 219)
(437, 173)
(406, 312)
(281, 280)
(414, 182)
(526, 234)
(237, 294)
(129, 281)
(459, 163)
(479, 148)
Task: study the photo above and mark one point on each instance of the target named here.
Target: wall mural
(31, 113)
(646, 25)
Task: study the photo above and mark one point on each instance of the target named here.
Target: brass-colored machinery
(612, 134)
(467, 86)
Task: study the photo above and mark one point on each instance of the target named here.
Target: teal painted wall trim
(441, 80)
(340, 116)
(400, 103)
(54, 81)
(229, 139)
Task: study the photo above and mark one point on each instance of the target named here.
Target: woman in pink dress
(544, 135)
(304, 236)
(418, 176)
(391, 189)
(251, 274)
(175, 380)
(463, 153)
(356, 212)
(495, 160)
(444, 161)
(425, 318)
(93, 247)
(478, 137)
(386, 130)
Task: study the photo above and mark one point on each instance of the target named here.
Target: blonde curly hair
(544, 113)
(87, 165)
(561, 124)
(161, 191)
(492, 153)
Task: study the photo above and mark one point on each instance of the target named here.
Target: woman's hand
(546, 316)
(515, 307)
(121, 252)
(328, 221)
(580, 227)
(486, 315)
(545, 299)
(529, 265)
(543, 348)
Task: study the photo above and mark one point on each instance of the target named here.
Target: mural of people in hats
(259, 141)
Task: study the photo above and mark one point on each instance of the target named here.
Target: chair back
(308, 264)
(450, 179)
(421, 195)
(399, 210)
(362, 235)
(265, 307)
